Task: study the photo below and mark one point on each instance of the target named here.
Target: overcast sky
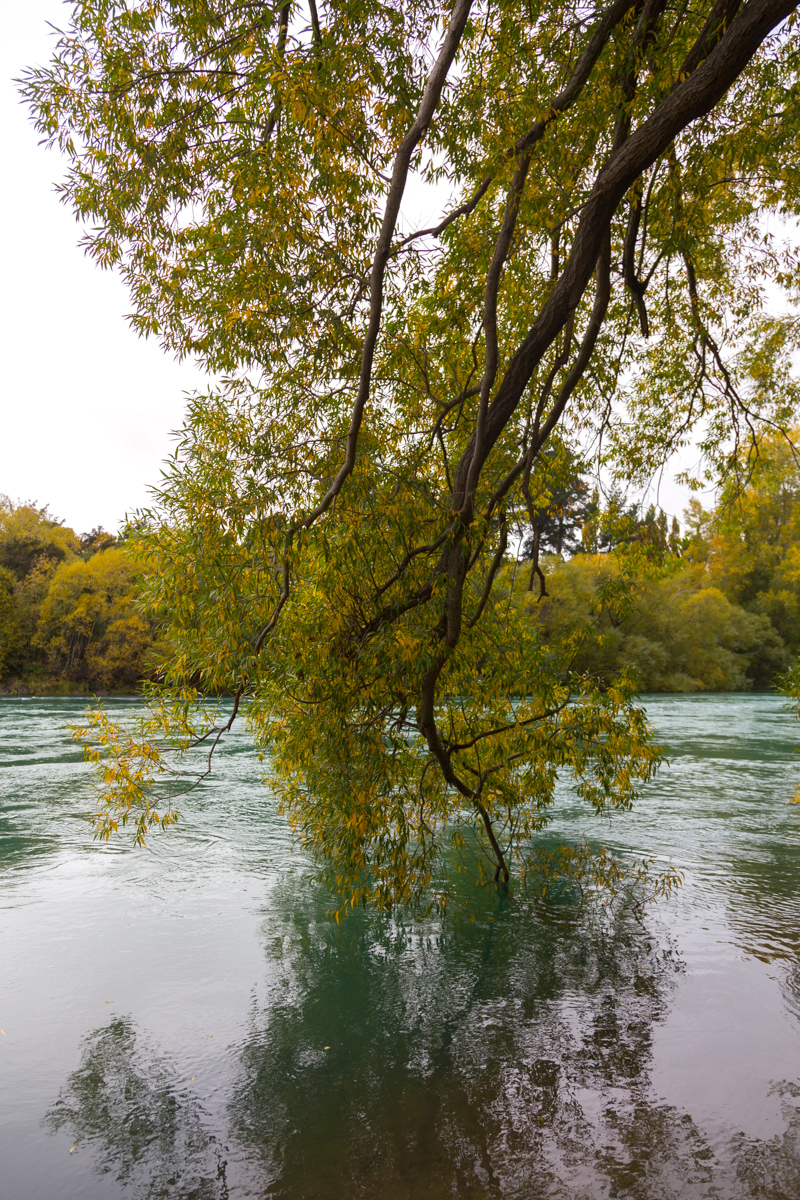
(87, 407)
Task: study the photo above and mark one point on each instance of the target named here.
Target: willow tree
(330, 544)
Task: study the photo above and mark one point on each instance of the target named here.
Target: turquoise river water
(185, 1022)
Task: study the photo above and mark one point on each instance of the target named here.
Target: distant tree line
(567, 517)
(713, 608)
(68, 620)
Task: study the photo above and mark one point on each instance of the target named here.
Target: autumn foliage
(68, 620)
(329, 544)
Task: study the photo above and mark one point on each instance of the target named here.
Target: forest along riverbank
(714, 608)
(185, 1021)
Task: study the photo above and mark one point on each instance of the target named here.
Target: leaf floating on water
(74, 1147)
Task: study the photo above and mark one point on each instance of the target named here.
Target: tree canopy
(328, 543)
(67, 606)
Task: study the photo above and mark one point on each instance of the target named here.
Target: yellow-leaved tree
(68, 617)
(327, 547)
(89, 627)
(32, 545)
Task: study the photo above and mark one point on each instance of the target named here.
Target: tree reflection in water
(126, 1104)
(771, 1169)
(509, 1058)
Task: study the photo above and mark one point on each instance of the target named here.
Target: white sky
(87, 406)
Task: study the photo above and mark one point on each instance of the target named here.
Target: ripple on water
(187, 1020)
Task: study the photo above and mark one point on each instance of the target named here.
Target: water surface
(185, 1022)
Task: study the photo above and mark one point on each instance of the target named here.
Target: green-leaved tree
(328, 543)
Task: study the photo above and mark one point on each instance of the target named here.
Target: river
(185, 1022)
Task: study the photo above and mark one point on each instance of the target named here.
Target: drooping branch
(635, 285)
(283, 32)
(425, 113)
(524, 150)
(394, 612)
(560, 104)
(496, 564)
(427, 108)
(631, 156)
(315, 29)
(690, 99)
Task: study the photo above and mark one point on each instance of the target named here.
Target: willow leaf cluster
(330, 542)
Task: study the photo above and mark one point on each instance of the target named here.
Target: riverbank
(64, 688)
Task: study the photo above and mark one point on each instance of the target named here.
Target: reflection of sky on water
(544, 1053)
(452, 1061)
(143, 1128)
(387, 1062)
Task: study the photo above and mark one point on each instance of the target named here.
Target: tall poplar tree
(327, 543)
